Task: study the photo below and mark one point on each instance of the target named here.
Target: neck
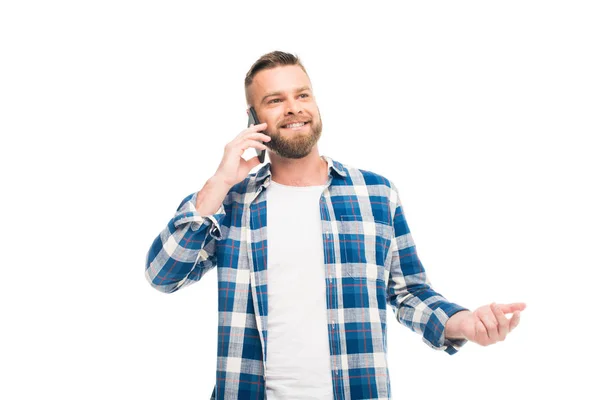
(308, 171)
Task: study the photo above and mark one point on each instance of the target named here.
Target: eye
(305, 95)
(274, 100)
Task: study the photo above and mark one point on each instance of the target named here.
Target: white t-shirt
(298, 362)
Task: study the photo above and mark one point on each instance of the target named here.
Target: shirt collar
(263, 176)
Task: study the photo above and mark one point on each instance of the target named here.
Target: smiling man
(308, 252)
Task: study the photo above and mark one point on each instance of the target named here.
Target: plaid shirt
(370, 261)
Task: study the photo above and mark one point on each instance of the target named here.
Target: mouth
(295, 125)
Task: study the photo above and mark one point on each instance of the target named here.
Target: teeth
(296, 125)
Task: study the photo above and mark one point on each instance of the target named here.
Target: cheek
(313, 110)
(272, 115)
(272, 120)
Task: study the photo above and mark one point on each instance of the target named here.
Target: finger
(514, 321)
(254, 144)
(481, 335)
(259, 127)
(257, 135)
(491, 325)
(245, 135)
(502, 321)
(252, 128)
(510, 308)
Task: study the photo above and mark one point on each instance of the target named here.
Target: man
(308, 253)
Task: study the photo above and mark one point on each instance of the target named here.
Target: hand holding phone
(253, 120)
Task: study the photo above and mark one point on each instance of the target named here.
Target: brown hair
(268, 61)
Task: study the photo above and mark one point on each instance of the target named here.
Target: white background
(484, 114)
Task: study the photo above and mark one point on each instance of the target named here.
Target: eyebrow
(298, 90)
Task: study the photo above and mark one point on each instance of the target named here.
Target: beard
(296, 145)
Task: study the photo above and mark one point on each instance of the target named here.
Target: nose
(294, 107)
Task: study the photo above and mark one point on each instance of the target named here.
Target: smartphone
(253, 120)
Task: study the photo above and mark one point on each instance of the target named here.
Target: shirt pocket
(364, 243)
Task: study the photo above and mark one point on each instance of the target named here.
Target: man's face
(282, 97)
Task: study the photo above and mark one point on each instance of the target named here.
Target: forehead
(279, 79)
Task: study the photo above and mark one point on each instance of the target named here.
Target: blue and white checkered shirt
(370, 261)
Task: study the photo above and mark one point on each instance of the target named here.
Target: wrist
(210, 198)
(453, 329)
(219, 182)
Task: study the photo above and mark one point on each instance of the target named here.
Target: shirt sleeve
(415, 303)
(184, 250)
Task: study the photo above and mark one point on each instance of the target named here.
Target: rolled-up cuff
(187, 213)
(434, 334)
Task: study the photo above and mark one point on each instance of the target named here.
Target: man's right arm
(185, 249)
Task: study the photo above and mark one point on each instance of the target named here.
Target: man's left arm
(416, 304)
(443, 324)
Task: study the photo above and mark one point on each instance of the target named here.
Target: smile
(296, 125)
